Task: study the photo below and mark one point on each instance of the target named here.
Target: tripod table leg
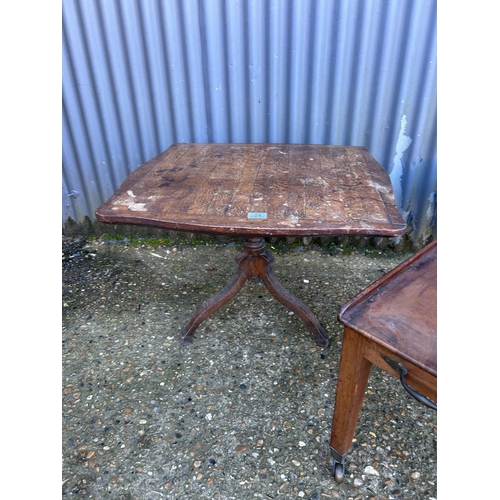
(211, 305)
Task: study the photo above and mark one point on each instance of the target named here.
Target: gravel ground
(245, 410)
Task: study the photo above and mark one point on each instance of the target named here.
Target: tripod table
(256, 191)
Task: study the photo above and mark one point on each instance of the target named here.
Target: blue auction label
(257, 215)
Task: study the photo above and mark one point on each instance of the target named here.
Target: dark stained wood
(395, 317)
(305, 190)
(354, 371)
(399, 310)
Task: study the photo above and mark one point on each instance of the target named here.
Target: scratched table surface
(259, 189)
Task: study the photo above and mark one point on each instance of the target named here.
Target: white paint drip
(430, 208)
(396, 174)
(138, 207)
(312, 181)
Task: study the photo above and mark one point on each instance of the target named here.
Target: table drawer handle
(402, 370)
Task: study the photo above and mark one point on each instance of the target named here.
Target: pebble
(162, 415)
(371, 471)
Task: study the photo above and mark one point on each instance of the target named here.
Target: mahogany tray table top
(254, 191)
(392, 324)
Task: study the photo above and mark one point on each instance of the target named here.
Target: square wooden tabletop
(259, 189)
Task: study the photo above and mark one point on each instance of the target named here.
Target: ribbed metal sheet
(140, 75)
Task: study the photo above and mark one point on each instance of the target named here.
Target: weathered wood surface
(396, 316)
(303, 190)
(399, 311)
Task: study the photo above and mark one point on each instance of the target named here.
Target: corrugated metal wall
(140, 75)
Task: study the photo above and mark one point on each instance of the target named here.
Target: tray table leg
(354, 371)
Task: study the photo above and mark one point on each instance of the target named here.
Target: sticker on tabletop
(257, 215)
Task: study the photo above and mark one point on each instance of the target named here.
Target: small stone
(301, 443)
(90, 454)
(415, 475)
(358, 482)
(208, 416)
(240, 448)
(296, 463)
(142, 422)
(371, 471)
(197, 463)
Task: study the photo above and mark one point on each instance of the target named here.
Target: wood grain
(399, 311)
(396, 316)
(304, 190)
